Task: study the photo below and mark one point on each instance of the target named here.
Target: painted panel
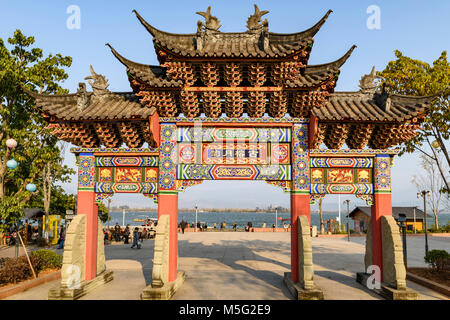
(300, 159)
(107, 187)
(126, 161)
(240, 153)
(340, 176)
(230, 172)
(128, 175)
(211, 134)
(359, 188)
(356, 162)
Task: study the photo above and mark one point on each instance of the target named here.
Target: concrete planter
(428, 283)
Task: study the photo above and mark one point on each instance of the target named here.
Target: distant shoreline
(282, 210)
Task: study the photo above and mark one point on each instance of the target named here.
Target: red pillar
(300, 206)
(301, 189)
(86, 205)
(382, 206)
(168, 204)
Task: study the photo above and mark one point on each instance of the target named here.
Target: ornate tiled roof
(314, 75)
(254, 43)
(359, 106)
(154, 76)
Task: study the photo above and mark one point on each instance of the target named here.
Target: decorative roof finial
(82, 97)
(367, 83)
(100, 84)
(254, 21)
(211, 22)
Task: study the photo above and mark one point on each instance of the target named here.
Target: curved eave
(309, 33)
(144, 72)
(331, 66)
(156, 33)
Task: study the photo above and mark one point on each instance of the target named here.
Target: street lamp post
(348, 212)
(109, 211)
(402, 221)
(276, 218)
(196, 213)
(424, 194)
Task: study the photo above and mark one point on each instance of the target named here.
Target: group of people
(126, 234)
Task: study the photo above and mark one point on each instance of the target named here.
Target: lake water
(241, 218)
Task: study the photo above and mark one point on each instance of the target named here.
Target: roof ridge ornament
(212, 23)
(83, 97)
(367, 82)
(383, 99)
(254, 22)
(99, 85)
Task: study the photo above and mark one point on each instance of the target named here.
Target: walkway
(238, 265)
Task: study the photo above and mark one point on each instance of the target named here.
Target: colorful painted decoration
(300, 159)
(321, 162)
(340, 176)
(12, 164)
(143, 161)
(356, 188)
(11, 143)
(31, 187)
(233, 172)
(128, 175)
(211, 134)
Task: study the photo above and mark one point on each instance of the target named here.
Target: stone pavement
(239, 265)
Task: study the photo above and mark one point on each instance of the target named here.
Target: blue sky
(417, 28)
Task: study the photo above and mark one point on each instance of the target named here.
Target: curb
(429, 284)
(23, 286)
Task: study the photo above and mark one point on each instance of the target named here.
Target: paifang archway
(233, 106)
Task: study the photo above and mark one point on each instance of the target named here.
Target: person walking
(234, 226)
(183, 226)
(136, 239)
(62, 237)
(126, 234)
(117, 232)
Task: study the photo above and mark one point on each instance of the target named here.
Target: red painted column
(300, 206)
(167, 190)
(86, 205)
(382, 206)
(168, 204)
(300, 190)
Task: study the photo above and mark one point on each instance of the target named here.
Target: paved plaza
(239, 265)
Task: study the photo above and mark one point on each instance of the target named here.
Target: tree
(103, 212)
(24, 66)
(431, 180)
(418, 78)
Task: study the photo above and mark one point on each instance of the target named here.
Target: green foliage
(48, 259)
(103, 213)
(439, 260)
(60, 201)
(24, 66)
(14, 270)
(414, 77)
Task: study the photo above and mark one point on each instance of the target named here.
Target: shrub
(48, 259)
(439, 260)
(17, 269)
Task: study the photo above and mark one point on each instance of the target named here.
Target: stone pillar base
(298, 292)
(166, 291)
(63, 293)
(386, 291)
